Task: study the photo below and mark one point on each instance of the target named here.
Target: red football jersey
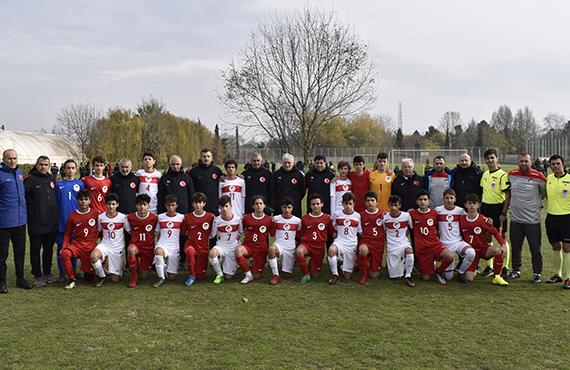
(143, 229)
(372, 230)
(198, 229)
(257, 230)
(474, 231)
(425, 229)
(83, 227)
(98, 189)
(360, 186)
(316, 229)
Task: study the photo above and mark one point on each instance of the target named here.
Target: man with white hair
(176, 182)
(289, 182)
(258, 181)
(125, 184)
(407, 185)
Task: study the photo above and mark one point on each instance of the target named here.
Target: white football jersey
(169, 231)
(347, 226)
(229, 231)
(396, 230)
(149, 185)
(448, 221)
(285, 230)
(337, 190)
(113, 229)
(235, 189)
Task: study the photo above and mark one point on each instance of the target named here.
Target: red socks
(444, 264)
(242, 263)
(132, 261)
(66, 263)
(363, 264)
(302, 261)
(498, 264)
(191, 260)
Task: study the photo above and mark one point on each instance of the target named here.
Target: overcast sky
(432, 56)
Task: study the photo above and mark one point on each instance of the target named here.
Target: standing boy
(98, 184)
(149, 178)
(381, 182)
(234, 187)
(340, 187)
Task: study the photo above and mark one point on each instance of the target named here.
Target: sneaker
(218, 279)
(61, 278)
(440, 278)
(133, 282)
(40, 281)
(3, 288)
(333, 280)
(461, 278)
(247, 279)
(555, 279)
(410, 282)
(305, 278)
(79, 275)
(487, 272)
(49, 279)
(505, 272)
(513, 275)
(158, 283)
(363, 278)
(100, 281)
(566, 284)
(274, 280)
(498, 279)
(23, 283)
(71, 285)
(190, 281)
(536, 279)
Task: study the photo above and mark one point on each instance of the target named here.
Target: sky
(431, 56)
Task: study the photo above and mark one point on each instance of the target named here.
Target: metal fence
(544, 148)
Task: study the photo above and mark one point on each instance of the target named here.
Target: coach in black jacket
(318, 180)
(289, 181)
(176, 182)
(407, 184)
(43, 222)
(206, 179)
(466, 179)
(258, 181)
(125, 184)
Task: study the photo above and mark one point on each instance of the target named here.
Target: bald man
(466, 179)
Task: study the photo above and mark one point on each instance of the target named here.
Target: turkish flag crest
(293, 181)
(262, 179)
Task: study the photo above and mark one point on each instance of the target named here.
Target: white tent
(30, 145)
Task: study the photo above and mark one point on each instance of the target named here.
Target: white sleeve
(220, 186)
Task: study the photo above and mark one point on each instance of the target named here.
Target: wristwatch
(504, 213)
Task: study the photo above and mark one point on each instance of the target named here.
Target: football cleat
(158, 283)
(100, 281)
(333, 280)
(305, 278)
(71, 285)
(218, 279)
(190, 281)
(555, 279)
(461, 278)
(247, 279)
(536, 279)
(274, 280)
(133, 283)
(410, 282)
(440, 278)
(363, 278)
(513, 275)
(487, 272)
(498, 279)
(566, 284)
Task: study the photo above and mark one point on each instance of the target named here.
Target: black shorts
(558, 228)
(494, 211)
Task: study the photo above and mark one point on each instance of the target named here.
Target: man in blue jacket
(13, 218)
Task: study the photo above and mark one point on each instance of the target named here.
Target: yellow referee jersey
(381, 183)
(557, 189)
(494, 185)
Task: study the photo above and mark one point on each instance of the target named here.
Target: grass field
(382, 324)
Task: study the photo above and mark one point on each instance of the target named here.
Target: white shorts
(395, 260)
(347, 254)
(288, 258)
(114, 259)
(457, 247)
(229, 265)
(171, 256)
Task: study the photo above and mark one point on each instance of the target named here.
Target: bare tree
(295, 74)
(502, 120)
(447, 124)
(524, 127)
(77, 122)
(554, 121)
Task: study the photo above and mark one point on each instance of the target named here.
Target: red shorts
(425, 259)
(317, 254)
(200, 261)
(258, 258)
(479, 253)
(375, 255)
(147, 256)
(84, 256)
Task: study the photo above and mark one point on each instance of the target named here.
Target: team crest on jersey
(564, 193)
(416, 183)
(262, 229)
(132, 185)
(262, 179)
(76, 187)
(92, 222)
(396, 225)
(345, 187)
(52, 185)
(347, 222)
(293, 181)
(379, 222)
(388, 179)
(449, 218)
(205, 226)
(214, 176)
(430, 222)
(148, 227)
(477, 230)
(111, 226)
(327, 181)
(286, 227)
(493, 186)
(148, 179)
(228, 228)
(530, 181)
(182, 183)
(21, 177)
(170, 224)
(105, 189)
(232, 188)
(321, 226)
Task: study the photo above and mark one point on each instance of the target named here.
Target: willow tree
(295, 74)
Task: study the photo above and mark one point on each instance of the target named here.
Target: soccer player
(381, 182)
(448, 217)
(428, 246)
(113, 225)
(197, 225)
(229, 228)
(257, 227)
(341, 186)
(360, 186)
(149, 178)
(286, 226)
(348, 226)
(168, 245)
(398, 246)
(234, 187)
(66, 194)
(98, 184)
(314, 232)
(82, 226)
(371, 248)
(474, 228)
(558, 219)
(140, 250)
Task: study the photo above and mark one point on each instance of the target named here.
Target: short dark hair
(170, 198)
(347, 197)
(98, 158)
(358, 159)
(342, 164)
(205, 150)
(394, 199)
(287, 201)
(449, 191)
(198, 197)
(524, 154)
(83, 193)
(231, 161)
(320, 157)
(111, 197)
(148, 154)
(142, 198)
(256, 197)
(316, 196)
(472, 197)
(224, 199)
(556, 156)
(439, 157)
(69, 161)
(42, 158)
(370, 194)
(488, 152)
(382, 155)
(422, 192)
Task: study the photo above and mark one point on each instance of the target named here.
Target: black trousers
(37, 242)
(533, 234)
(18, 237)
